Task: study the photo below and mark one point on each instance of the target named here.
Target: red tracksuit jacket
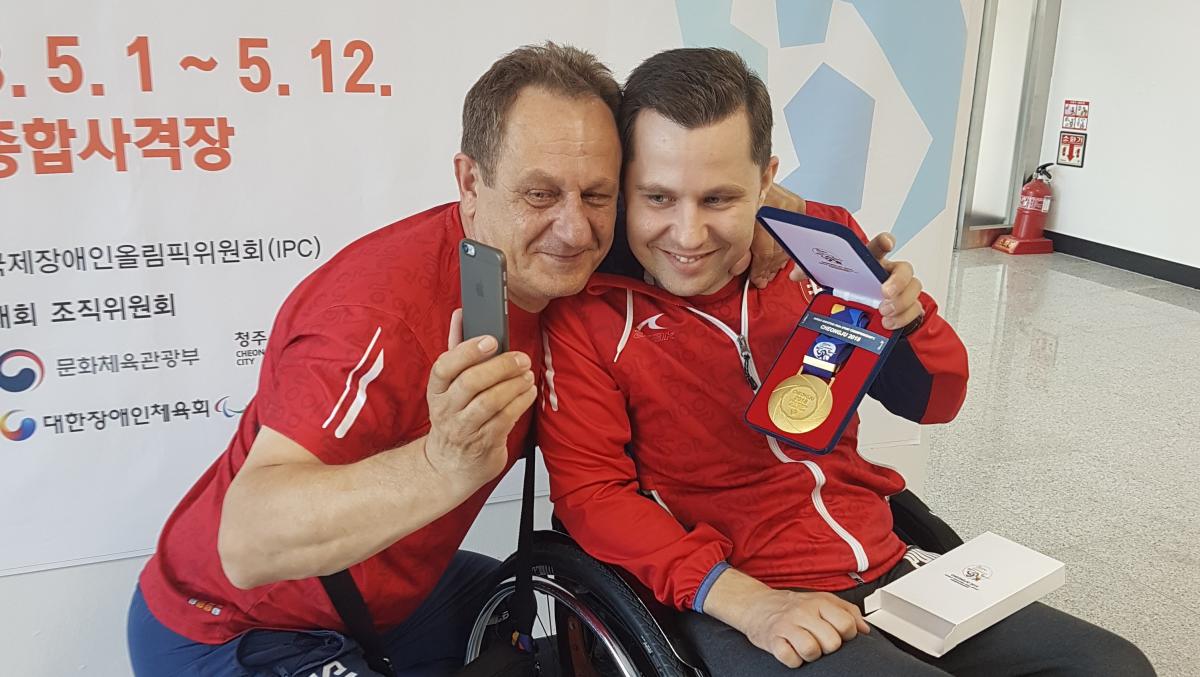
(653, 469)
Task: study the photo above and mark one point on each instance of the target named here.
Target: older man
(371, 446)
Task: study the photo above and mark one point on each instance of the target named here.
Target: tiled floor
(1080, 437)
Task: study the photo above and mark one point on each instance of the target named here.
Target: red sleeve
(925, 377)
(583, 430)
(347, 384)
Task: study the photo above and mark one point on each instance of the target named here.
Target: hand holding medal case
(837, 348)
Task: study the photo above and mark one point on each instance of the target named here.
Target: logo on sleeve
(206, 606)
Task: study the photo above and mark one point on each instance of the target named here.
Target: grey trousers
(1037, 640)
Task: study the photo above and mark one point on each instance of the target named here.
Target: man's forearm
(729, 597)
(297, 520)
(795, 627)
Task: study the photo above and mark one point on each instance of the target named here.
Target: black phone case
(484, 292)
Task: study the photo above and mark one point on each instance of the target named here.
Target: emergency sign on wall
(1070, 149)
(1075, 114)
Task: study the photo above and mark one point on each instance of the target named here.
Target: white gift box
(963, 592)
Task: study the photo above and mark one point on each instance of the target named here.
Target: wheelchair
(594, 620)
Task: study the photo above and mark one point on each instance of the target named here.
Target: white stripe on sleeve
(350, 378)
(360, 398)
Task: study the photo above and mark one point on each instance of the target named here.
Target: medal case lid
(829, 253)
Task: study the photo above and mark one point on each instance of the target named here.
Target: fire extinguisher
(1027, 237)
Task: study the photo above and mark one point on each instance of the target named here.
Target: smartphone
(484, 282)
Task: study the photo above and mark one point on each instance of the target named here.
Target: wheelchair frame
(913, 522)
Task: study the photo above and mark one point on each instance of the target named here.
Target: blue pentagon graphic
(802, 22)
(830, 123)
(926, 49)
(707, 23)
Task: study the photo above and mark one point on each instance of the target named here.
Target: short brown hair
(564, 70)
(697, 87)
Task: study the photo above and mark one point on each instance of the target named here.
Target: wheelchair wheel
(595, 623)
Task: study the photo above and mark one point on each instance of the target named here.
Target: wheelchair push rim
(573, 604)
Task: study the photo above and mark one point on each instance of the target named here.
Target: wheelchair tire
(557, 559)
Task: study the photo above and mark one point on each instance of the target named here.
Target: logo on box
(977, 572)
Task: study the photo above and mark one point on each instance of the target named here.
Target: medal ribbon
(827, 353)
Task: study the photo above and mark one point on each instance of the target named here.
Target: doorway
(1008, 114)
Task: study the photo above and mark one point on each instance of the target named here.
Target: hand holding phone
(477, 389)
(475, 396)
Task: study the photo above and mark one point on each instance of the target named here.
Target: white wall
(1137, 64)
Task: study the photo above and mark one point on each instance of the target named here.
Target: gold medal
(800, 403)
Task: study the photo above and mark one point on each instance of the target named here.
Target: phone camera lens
(468, 249)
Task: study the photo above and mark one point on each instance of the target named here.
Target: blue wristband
(706, 585)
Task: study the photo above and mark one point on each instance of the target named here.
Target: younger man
(646, 382)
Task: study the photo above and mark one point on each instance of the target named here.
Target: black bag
(500, 660)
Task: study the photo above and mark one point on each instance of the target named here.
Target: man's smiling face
(551, 205)
(691, 197)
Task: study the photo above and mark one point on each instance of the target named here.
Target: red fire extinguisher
(1027, 237)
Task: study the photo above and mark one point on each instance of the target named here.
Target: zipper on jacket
(740, 341)
(747, 362)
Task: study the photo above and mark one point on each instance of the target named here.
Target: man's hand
(800, 627)
(901, 291)
(474, 399)
(794, 627)
(766, 258)
(782, 198)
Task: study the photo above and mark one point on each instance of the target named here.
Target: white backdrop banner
(169, 171)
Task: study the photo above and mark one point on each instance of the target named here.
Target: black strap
(524, 604)
(351, 606)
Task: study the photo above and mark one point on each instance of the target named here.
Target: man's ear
(768, 178)
(467, 176)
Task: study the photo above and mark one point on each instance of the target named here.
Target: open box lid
(830, 253)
